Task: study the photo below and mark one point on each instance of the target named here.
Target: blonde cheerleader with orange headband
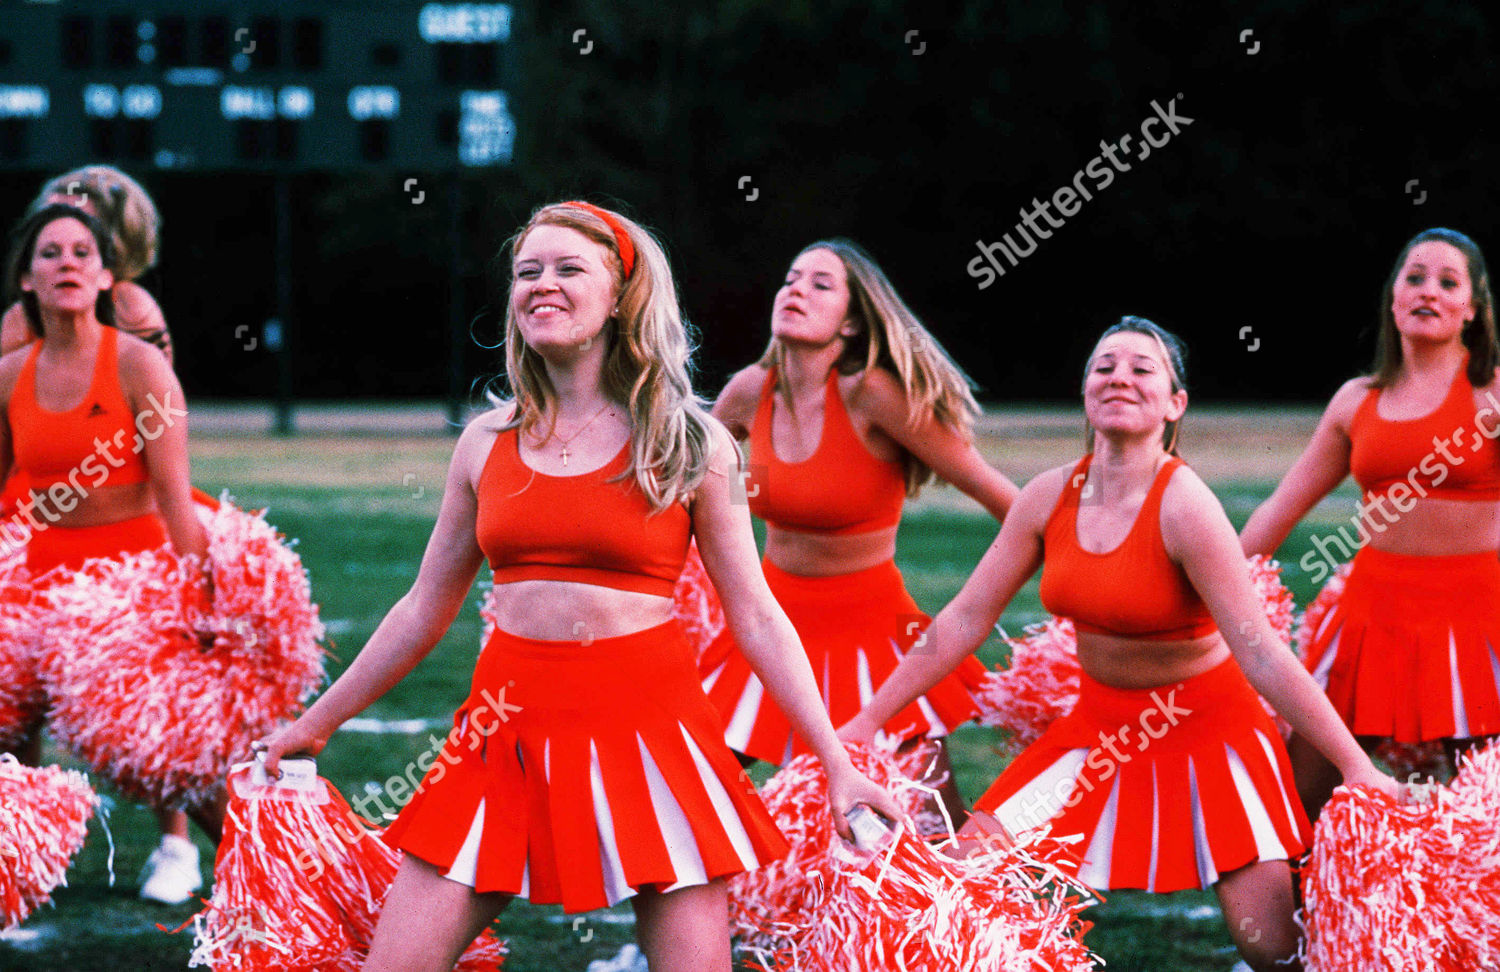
(1168, 766)
(587, 766)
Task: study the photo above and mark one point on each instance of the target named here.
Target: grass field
(362, 507)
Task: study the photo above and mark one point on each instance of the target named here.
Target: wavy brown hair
(890, 336)
(1478, 335)
(646, 363)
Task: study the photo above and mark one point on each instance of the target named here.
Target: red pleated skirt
(579, 772)
(69, 547)
(1169, 787)
(1409, 650)
(855, 629)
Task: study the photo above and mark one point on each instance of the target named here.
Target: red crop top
(840, 489)
(59, 447)
(1385, 452)
(584, 528)
(1134, 590)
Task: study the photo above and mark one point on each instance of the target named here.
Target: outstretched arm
(764, 634)
(1320, 468)
(952, 457)
(413, 626)
(1200, 537)
(962, 626)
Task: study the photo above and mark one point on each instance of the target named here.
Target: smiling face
(812, 306)
(563, 291)
(1433, 296)
(66, 271)
(1128, 388)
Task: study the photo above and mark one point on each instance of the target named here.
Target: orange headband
(622, 238)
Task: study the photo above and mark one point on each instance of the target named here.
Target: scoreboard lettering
(178, 84)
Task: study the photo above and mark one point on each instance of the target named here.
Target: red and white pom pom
(44, 815)
(1039, 685)
(160, 698)
(298, 885)
(22, 698)
(1312, 619)
(830, 908)
(1275, 598)
(695, 603)
(1394, 887)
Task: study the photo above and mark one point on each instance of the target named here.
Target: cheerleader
(1408, 651)
(94, 419)
(586, 766)
(1168, 766)
(853, 407)
(128, 213)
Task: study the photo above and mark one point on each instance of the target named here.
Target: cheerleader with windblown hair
(127, 212)
(1168, 766)
(586, 766)
(853, 408)
(83, 383)
(1408, 651)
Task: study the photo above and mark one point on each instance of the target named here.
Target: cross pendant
(565, 455)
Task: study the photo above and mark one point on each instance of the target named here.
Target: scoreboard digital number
(255, 86)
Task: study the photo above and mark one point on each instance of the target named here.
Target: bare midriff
(824, 555)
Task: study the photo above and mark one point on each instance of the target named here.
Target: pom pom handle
(298, 781)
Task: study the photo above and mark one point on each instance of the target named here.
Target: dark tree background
(1279, 208)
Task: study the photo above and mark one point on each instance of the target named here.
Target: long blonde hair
(123, 206)
(890, 336)
(645, 363)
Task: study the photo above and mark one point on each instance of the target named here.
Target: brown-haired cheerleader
(1408, 652)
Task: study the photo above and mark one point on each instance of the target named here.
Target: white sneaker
(172, 871)
(630, 959)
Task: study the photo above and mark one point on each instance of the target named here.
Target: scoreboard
(255, 86)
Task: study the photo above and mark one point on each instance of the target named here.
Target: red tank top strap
(65, 446)
(1151, 505)
(844, 439)
(1367, 411)
(25, 392)
(1133, 590)
(1411, 455)
(841, 489)
(529, 527)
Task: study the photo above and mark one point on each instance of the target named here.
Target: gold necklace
(578, 432)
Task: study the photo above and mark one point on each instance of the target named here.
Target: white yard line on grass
(386, 727)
